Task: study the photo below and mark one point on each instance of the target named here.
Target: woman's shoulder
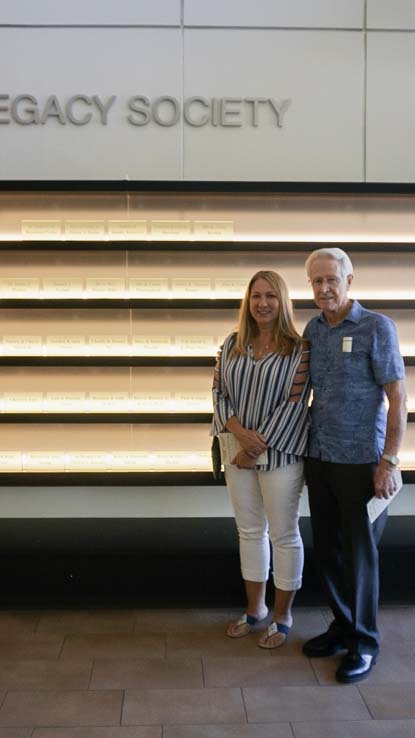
(230, 341)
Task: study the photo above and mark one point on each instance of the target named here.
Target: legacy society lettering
(165, 111)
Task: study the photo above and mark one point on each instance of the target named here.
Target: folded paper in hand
(377, 505)
(230, 446)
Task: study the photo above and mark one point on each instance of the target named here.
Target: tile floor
(174, 674)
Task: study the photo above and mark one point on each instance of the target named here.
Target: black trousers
(346, 547)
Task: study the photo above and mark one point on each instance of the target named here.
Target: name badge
(347, 344)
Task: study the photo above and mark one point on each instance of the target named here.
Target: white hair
(346, 266)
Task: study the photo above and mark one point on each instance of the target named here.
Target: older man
(354, 442)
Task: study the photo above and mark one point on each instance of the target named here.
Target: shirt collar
(354, 315)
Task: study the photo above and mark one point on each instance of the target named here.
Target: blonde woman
(260, 394)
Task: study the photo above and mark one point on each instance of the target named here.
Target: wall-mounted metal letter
(161, 102)
(80, 121)
(279, 108)
(203, 119)
(4, 109)
(140, 105)
(255, 102)
(52, 109)
(227, 112)
(104, 108)
(31, 110)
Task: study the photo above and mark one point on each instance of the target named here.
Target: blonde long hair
(285, 336)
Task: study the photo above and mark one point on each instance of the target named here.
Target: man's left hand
(385, 484)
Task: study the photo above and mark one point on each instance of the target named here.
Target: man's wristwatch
(392, 458)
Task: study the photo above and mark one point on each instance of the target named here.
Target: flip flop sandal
(274, 636)
(244, 625)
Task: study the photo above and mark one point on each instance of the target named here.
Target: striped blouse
(269, 395)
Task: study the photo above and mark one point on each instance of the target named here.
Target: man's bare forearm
(397, 416)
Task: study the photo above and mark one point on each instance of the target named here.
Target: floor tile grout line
(6, 692)
(59, 658)
(91, 671)
(318, 682)
(365, 703)
(291, 726)
(244, 704)
(122, 706)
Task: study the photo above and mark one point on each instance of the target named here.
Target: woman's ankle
(260, 612)
(286, 618)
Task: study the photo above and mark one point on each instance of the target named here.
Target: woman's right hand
(251, 441)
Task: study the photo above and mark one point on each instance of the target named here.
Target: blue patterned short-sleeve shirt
(349, 365)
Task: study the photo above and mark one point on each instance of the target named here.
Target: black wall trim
(127, 418)
(161, 361)
(367, 188)
(177, 304)
(122, 563)
(109, 478)
(109, 361)
(216, 246)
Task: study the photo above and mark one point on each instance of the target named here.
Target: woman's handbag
(217, 469)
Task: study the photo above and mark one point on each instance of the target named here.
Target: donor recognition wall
(115, 297)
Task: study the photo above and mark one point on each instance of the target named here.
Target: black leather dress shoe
(326, 644)
(355, 667)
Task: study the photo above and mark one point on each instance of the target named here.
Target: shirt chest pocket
(352, 356)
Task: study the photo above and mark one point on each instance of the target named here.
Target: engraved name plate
(193, 401)
(195, 345)
(15, 345)
(113, 345)
(23, 402)
(89, 229)
(213, 230)
(230, 287)
(150, 402)
(20, 287)
(127, 229)
(130, 461)
(65, 345)
(88, 461)
(151, 345)
(191, 287)
(11, 461)
(64, 402)
(67, 287)
(33, 229)
(43, 461)
(171, 229)
(105, 287)
(148, 286)
(101, 402)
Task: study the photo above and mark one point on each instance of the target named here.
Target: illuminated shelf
(165, 230)
(144, 479)
(203, 245)
(179, 303)
(105, 417)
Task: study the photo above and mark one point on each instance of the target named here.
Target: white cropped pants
(266, 505)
